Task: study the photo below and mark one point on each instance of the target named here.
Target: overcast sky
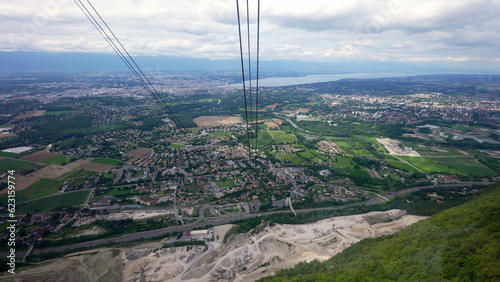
(313, 30)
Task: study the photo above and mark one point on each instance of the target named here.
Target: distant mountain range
(74, 62)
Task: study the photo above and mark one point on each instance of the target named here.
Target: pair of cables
(102, 27)
(250, 95)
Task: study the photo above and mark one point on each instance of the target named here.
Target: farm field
(428, 165)
(22, 182)
(57, 171)
(56, 113)
(78, 173)
(310, 154)
(264, 138)
(342, 144)
(107, 161)
(280, 136)
(216, 120)
(27, 114)
(38, 156)
(290, 158)
(437, 152)
(100, 167)
(363, 153)
(137, 153)
(116, 191)
(226, 183)
(7, 154)
(10, 164)
(57, 160)
(342, 161)
(354, 148)
(126, 118)
(176, 146)
(403, 166)
(273, 123)
(40, 188)
(466, 165)
(56, 202)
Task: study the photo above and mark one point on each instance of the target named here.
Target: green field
(116, 191)
(41, 188)
(128, 118)
(466, 165)
(427, 151)
(57, 160)
(290, 158)
(342, 144)
(56, 202)
(428, 165)
(226, 183)
(107, 161)
(310, 154)
(9, 164)
(264, 138)
(3, 227)
(154, 108)
(402, 165)
(342, 162)
(369, 139)
(176, 146)
(280, 136)
(109, 175)
(359, 173)
(7, 154)
(455, 165)
(55, 113)
(363, 153)
(357, 148)
(79, 173)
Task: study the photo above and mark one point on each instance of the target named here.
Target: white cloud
(445, 59)
(399, 30)
(403, 44)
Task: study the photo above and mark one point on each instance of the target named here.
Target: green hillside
(459, 244)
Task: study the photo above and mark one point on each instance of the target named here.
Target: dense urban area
(92, 156)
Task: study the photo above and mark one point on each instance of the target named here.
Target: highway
(224, 220)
